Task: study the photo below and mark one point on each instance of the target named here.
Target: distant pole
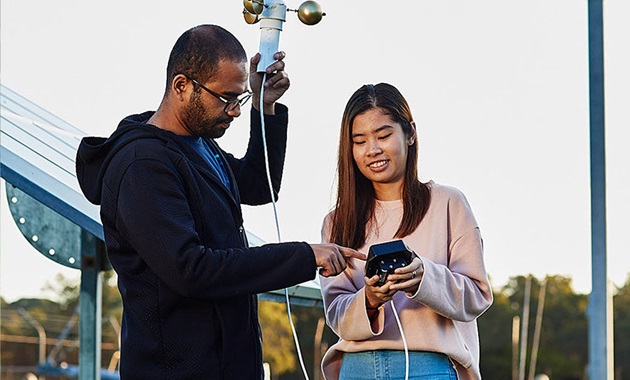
(515, 337)
(40, 331)
(52, 355)
(537, 328)
(319, 334)
(524, 328)
(600, 358)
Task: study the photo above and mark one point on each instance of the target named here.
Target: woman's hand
(376, 295)
(407, 278)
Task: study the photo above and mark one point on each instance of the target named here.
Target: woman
(439, 295)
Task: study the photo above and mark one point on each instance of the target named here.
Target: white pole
(537, 328)
(516, 320)
(524, 328)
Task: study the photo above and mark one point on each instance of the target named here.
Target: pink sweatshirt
(441, 316)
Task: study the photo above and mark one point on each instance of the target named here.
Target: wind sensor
(271, 14)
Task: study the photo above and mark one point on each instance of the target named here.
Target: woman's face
(379, 148)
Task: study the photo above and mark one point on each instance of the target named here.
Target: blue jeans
(390, 365)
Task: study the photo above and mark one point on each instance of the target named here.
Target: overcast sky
(498, 89)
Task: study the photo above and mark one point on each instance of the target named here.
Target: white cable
(402, 334)
(264, 140)
(275, 213)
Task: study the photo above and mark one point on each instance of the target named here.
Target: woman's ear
(412, 138)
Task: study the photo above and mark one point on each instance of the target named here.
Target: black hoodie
(174, 235)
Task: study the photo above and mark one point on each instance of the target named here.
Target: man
(170, 206)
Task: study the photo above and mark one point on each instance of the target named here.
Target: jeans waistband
(390, 365)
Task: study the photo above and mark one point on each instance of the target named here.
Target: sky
(498, 90)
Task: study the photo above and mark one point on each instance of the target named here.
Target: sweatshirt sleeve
(250, 171)
(460, 290)
(344, 300)
(157, 222)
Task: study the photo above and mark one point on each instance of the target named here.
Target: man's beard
(199, 123)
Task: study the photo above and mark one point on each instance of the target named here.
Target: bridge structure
(37, 154)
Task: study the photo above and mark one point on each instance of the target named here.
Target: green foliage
(306, 320)
(495, 327)
(112, 302)
(278, 346)
(563, 348)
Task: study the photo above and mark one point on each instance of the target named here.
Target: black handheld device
(384, 258)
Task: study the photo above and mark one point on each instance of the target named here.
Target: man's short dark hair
(198, 51)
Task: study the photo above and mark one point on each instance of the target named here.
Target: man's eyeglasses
(230, 104)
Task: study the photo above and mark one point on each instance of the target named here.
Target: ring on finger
(413, 274)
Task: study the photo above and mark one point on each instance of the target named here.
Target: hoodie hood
(95, 153)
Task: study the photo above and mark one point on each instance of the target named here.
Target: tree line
(560, 352)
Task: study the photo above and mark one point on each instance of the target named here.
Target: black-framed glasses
(230, 104)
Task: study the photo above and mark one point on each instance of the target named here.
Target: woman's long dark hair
(354, 210)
